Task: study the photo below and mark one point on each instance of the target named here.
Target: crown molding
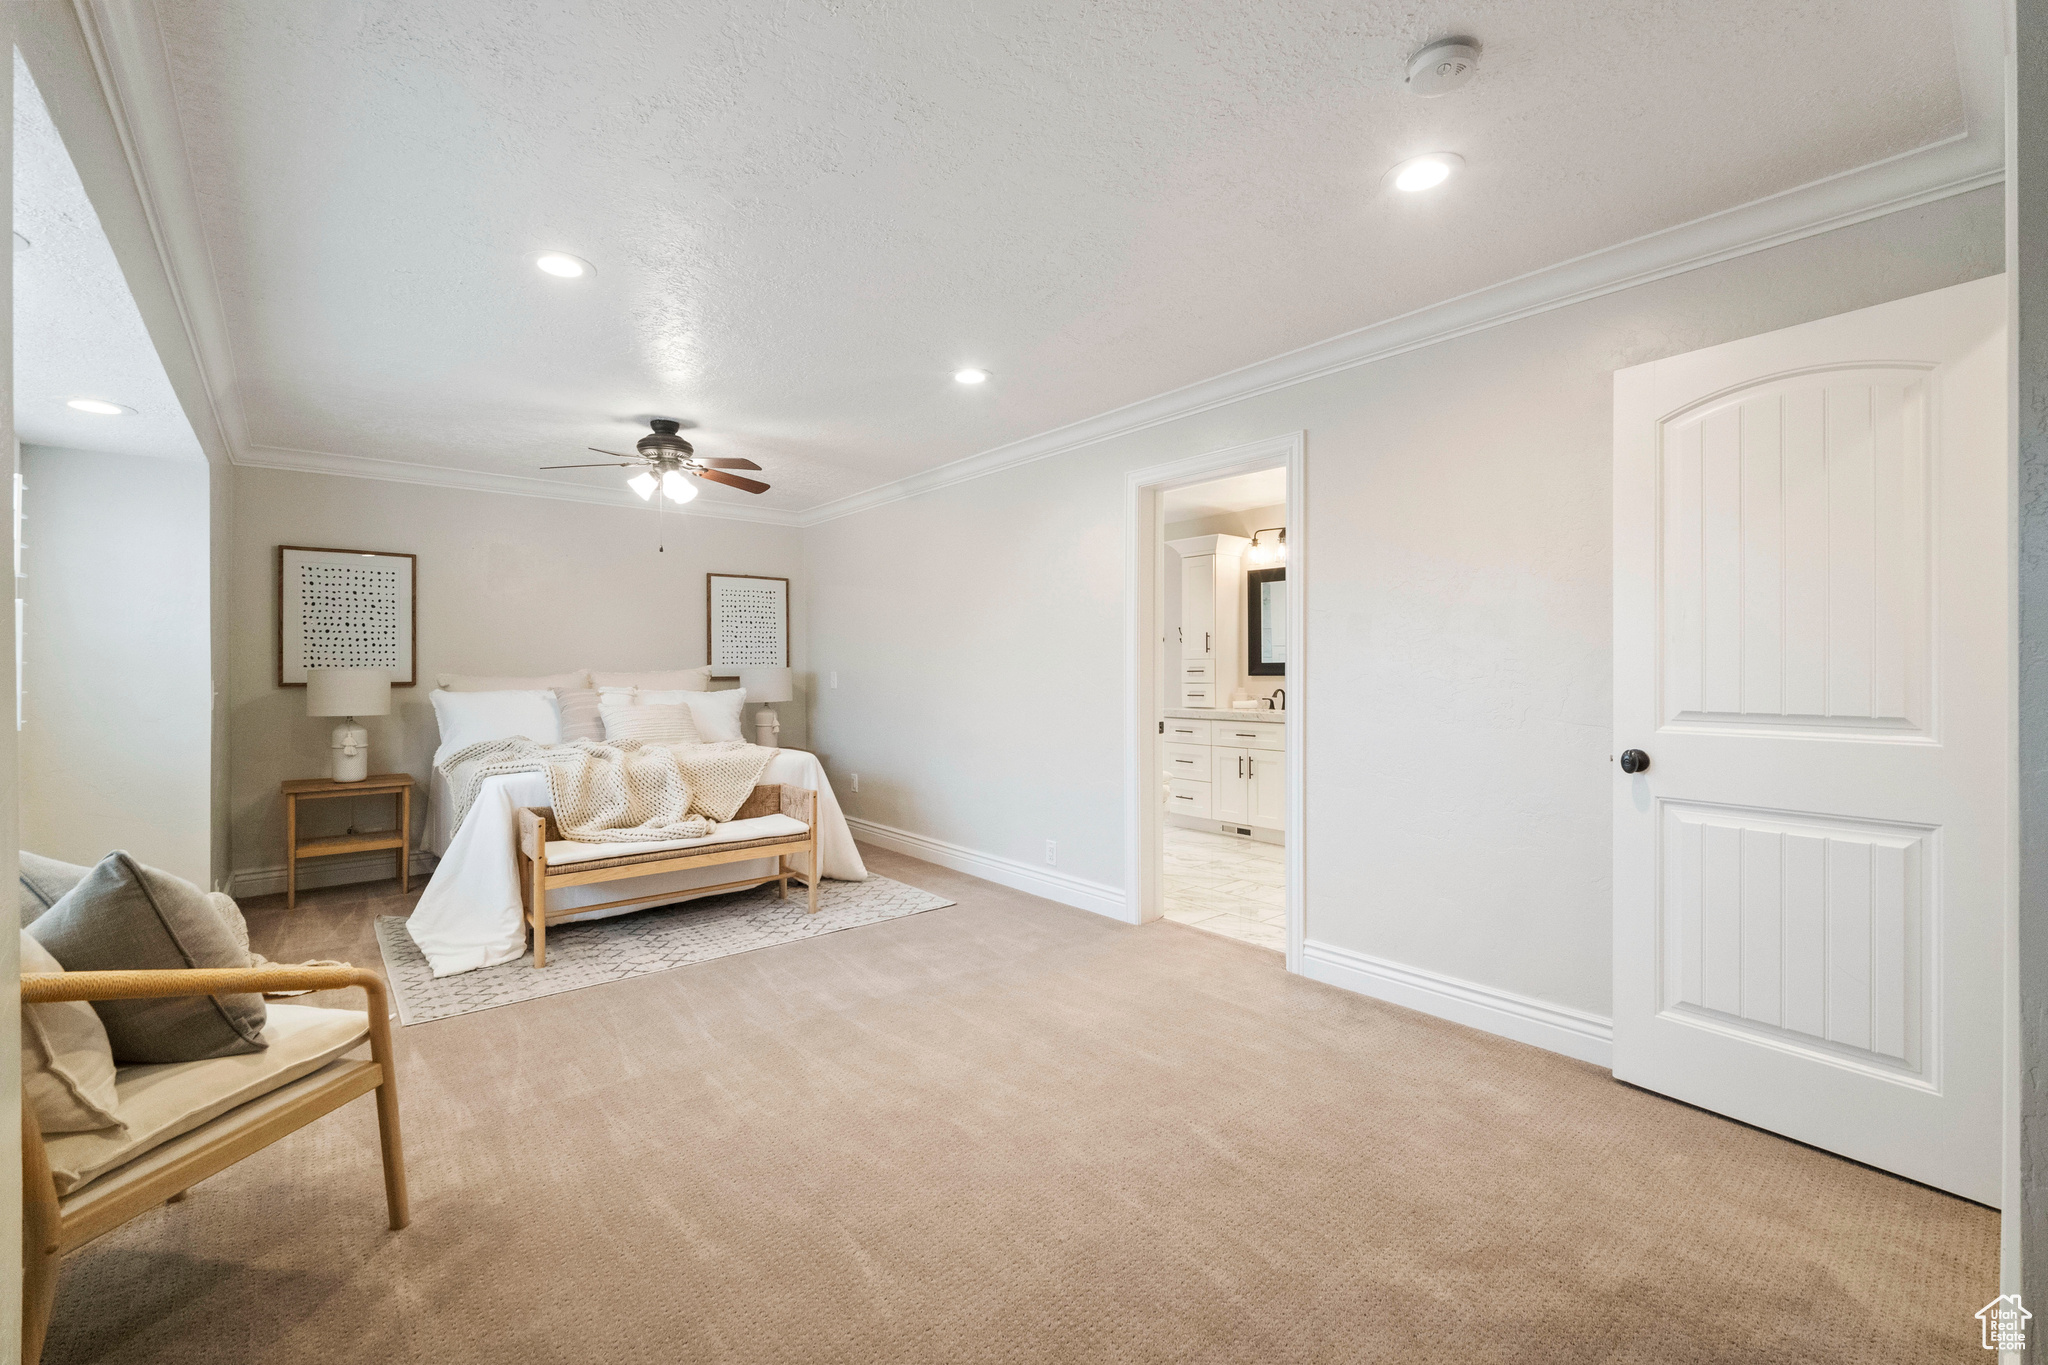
(479, 481)
(128, 57)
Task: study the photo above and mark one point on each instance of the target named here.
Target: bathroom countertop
(1225, 713)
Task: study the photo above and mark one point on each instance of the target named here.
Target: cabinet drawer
(1188, 798)
(1244, 736)
(1187, 731)
(1185, 760)
(1198, 694)
(1197, 671)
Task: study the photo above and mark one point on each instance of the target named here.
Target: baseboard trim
(360, 867)
(1558, 1028)
(1018, 876)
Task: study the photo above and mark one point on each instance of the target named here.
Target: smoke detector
(1445, 65)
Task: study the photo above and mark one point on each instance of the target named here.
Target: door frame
(1144, 613)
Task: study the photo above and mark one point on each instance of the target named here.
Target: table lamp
(348, 692)
(766, 685)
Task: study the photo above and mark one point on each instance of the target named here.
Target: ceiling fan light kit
(665, 461)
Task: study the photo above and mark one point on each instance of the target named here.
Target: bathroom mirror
(1266, 622)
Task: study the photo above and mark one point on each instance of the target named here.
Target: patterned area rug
(613, 949)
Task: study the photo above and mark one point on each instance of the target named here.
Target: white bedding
(469, 916)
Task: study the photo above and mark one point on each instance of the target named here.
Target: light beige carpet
(1011, 1131)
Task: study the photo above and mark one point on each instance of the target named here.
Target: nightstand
(325, 788)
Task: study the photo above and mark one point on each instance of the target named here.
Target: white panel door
(1198, 606)
(1811, 648)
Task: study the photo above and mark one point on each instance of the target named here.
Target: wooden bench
(537, 877)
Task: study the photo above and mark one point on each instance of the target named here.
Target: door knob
(1634, 760)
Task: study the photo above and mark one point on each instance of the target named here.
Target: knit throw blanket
(619, 791)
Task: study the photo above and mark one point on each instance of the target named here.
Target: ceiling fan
(664, 458)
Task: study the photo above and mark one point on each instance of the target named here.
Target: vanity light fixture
(98, 407)
(1273, 552)
(562, 265)
(1425, 172)
(970, 376)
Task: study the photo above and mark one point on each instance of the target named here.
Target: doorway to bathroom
(1216, 703)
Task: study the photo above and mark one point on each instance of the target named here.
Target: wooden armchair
(53, 1225)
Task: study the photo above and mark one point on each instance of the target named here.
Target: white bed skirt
(470, 915)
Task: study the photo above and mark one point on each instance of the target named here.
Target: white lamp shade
(348, 692)
(766, 684)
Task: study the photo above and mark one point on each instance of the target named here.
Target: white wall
(507, 585)
(117, 750)
(1459, 504)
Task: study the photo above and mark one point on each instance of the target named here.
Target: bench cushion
(568, 852)
(162, 1101)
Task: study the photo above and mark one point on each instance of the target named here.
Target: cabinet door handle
(1205, 642)
(1251, 767)
(1240, 765)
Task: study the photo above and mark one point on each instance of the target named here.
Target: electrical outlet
(834, 675)
(1052, 853)
(856, 780)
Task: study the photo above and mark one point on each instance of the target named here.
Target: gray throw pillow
(44, 882)
(124, 916)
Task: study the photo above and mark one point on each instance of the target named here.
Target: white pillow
(675, 680)
(652, 724)
(468, 718)
(580, 718)
(717, 713)
(67, 1064)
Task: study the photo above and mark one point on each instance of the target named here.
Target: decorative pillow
(580, 714)
(44, 882)
(67, 1066)
(717, 713)
(652, 724)
(675, 680)
(126, 916)
(468, 718)
(553, 682)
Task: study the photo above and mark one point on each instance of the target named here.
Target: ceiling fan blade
(732, 481)
(586, 466)
(613, 453)
(719, 462)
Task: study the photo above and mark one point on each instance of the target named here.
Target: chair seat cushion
(566, 852)
(160, 1102)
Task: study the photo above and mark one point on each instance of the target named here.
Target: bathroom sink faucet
(1278, 699)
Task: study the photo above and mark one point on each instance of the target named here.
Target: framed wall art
(746, 622)
(345, 609)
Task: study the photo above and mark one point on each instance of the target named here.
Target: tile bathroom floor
(1227, 885)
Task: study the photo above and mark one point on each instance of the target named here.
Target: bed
(470, 914)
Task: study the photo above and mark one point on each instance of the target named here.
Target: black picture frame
(1253, 581)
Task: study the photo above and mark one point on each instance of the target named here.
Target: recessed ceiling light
(99, 407)
(970, 376)
(562, 265)
(1425, 172)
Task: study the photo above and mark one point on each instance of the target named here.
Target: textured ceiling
(77, 333)
(805, 216)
